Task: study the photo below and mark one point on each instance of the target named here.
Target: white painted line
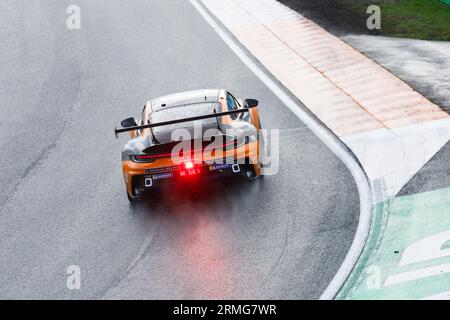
(439, 296)
(417, 274)
(428, 248)
(333, 143)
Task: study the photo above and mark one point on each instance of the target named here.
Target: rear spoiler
(166, 123)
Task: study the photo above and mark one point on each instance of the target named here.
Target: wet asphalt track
(62, 199)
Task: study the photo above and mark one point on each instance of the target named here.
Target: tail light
(144, 158)
(188, 168)
(188, 165)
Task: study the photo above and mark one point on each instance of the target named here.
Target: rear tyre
(262, 146)
(131, 199)
(251, 174)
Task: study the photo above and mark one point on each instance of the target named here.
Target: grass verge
(417, 19)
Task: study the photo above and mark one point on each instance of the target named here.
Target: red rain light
(189, 169)
(188, 165)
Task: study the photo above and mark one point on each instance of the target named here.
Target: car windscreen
(180, 112)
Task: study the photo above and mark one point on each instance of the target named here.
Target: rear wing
(166, 123)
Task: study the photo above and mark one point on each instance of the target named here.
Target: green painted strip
(379, 218)
(386, 268)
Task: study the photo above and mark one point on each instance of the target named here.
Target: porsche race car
(194, 133)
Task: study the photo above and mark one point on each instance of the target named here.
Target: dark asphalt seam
(44, 153)
(141, 254)
(277, 263)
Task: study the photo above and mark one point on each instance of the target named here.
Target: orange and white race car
(194, 133)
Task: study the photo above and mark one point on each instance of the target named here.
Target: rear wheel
(251, 173)
(132, 199)
(262, 149)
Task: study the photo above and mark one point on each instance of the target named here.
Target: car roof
(185, 98)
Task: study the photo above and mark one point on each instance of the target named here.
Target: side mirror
(129, 122)
(250, 103)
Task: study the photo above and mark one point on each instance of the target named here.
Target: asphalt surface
(62, 198)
